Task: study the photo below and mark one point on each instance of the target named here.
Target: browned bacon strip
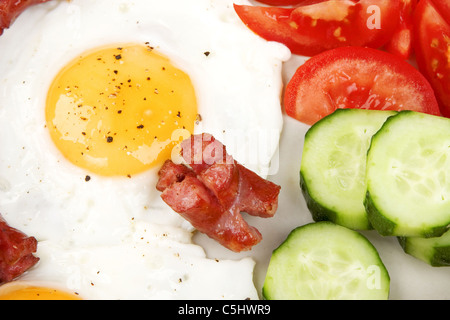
(193, 201)
(214, 189)
(223, 181)
(171, 173)
(16, 252)
(230, 181)
(257, 197)
(11, 9)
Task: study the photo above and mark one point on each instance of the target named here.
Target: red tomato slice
(401, 43)
(356, 77)
(308, 30)
(11, 9)
(432, 47)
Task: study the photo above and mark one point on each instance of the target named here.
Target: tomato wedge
(11, 9)
(311, 29)
(432, 47)
(401, 43)
(356, 77)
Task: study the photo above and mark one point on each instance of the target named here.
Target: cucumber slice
(408, 176)
(434, 251)
(333, 168)
(325, 261)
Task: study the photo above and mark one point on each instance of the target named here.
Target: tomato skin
(356, 77)
(309, 30)
(432, 47)
(401, 43)
(271, 23)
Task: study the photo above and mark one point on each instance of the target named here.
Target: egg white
(237, 77)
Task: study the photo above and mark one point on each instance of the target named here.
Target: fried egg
(94, 97)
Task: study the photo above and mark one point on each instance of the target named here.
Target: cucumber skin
(386, 227)
(435, 257)
(318, 212)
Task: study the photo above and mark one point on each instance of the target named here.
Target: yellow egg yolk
(24, 291)
(114, 110)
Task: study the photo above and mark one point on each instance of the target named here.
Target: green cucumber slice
(332, 173)
(408, 176)
(434, 251)
(326, 261)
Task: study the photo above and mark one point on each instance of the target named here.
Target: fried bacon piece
(11, 9)
(16, 252)
(213, 189)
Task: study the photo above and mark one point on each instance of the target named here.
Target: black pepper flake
(141, 126)
(116, 72)
(179, 114)
(87, 178)
(118, 56)
(109, 139)
(119, 111)
(207, 53)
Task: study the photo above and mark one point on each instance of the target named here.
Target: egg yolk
(22, 291)
(114, 110)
